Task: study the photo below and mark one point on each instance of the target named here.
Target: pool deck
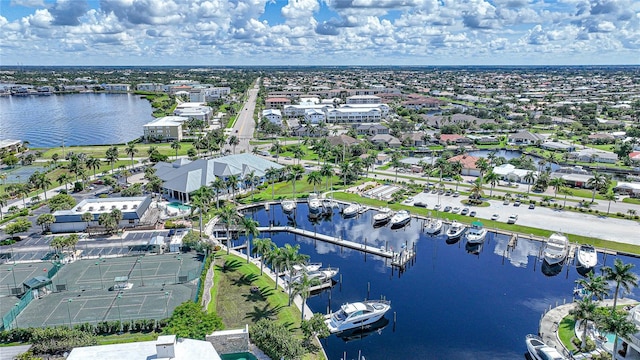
(552, 318)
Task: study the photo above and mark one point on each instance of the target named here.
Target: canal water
(76, 119)
(453, 302)
(512, 154)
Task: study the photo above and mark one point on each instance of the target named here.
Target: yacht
(587, 256)
(322, 274)
(433, 226)
(329, 204)
(356, 315)
(455, 230)
(383, 216)
(288, 206)
(556, 249)
(351, 210)
(538, 350)
(315, 205)
(476, 233)
(401, 218)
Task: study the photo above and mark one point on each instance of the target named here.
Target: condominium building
(165, 128)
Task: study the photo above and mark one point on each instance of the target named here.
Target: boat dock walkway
(399, 259)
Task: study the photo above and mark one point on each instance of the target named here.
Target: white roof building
(166, 347)
(273, 115)
(511, 173)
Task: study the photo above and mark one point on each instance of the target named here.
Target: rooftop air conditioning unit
(134, 206)
(90, 208)
(124, 207)
(102, 207)
(113, 207)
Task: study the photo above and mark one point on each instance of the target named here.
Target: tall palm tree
(584, 311)
(43, 182)
(248, 181)
(610, 196)
(289, 257)
(262, 247)
(250, 229)
(594, 286)
(4, 200)
(275, 260)
(314, 178)
(621, 274)
(529, 178)
(619, 324)
(233, 142)
(327, 172)
(93, 164)
(303, 287)
(232, 183)
(228, 215)
(64, 178)
(295, 172)
(218, 185)
(131, 150)
(483, 165)
(175, 145)
(202, 199)
(271, 174)
(276, 147)
(112, 156)
(557, 184)
(493, 179)
(298, 153)
(597, 181)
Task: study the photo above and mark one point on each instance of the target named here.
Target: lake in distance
(451, 303)
(78, 119)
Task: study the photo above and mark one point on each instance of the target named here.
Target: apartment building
(165, 128)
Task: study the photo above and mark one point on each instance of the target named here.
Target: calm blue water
(78, 119)
(450, 304)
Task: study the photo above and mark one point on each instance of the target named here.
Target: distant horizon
(6, 67)
(319, 32)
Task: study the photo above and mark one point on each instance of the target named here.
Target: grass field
(98, 151)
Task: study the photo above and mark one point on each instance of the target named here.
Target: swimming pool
(239, 356)
(179, 206)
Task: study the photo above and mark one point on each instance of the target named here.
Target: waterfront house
(525, 138)
(386, 140)
(509, 172)
(468, 163)
(594, 155)
(454, 139)
(371, 129)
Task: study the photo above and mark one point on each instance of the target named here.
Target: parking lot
(568, 222)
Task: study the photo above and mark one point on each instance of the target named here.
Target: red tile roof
(467, 161)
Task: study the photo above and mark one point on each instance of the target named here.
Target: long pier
(399, 259)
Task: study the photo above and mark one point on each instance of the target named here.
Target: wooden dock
(399, 259)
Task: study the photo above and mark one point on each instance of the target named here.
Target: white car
(437, 207)
(455, 210)
(512, 219)
(495, 217)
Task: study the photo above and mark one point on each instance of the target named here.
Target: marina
(505, 271)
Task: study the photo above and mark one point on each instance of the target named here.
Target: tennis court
(13, 275)
(92, 306)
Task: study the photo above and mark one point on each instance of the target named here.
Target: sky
(319, 32)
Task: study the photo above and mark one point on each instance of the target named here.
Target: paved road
(245, 124)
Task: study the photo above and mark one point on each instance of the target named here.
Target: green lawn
(99, 151)
(566, 332)
(284, 190)
(631, 201)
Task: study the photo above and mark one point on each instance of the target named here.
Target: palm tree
(597, 181)
(4, 200)
(303, 287)
(529, 178)
(233, 141)
(218, 185)
(112, 156)
(289, 257)
(276, 147)
(584, 311)
(620, 274)
(493, 179)
(271, 174)
(610, 196)
(557, 184)
(263, 247)
(131, 150)
(295, 171)
(152, 151)
(232, 183)
(64, 179)
(93, 164)
(43, 182)
(314, 178)
(327, 172)
(175, 145)
(275, 259)
(228, 216)
(202, 199)
(619, 324)
(298, 153)
(594, 286)
(250, 228)
(483, 165)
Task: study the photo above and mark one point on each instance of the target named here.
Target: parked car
(505, 202)
(455, 210)
(512, 219)
(420, 204)
(516, 203)
(456, 194)
(448, 193)
(472, 213)
(532, 206)
(464, 211)
(437, 207)
(447, 208)
(495, 217)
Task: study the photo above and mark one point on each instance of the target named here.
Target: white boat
(288, 206)
(400, 218)
(321, 274)
(476, 233)
(383, 215)
(455, 230)
(329, 204)
(351, 210)
(587, 256)
(356, 314)
(433, 226)
(556, 249)
(315, 205)
(538, 350)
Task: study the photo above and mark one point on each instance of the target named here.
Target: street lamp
(16, 313)
(166, 307)
(119, 314)
(100, 269)
(69, 312)
(141, 278)
(15, 283)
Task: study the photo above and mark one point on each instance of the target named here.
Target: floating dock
(399, 259)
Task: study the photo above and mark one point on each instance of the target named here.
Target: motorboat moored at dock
(556, 249)
(356, 315)
(432, 226)
(315, 205)
(586, 256)
(288, 206)
(352, 210)
(383, 216)
(401, 218)
(476, 233)
(538, 350)
(455, 230)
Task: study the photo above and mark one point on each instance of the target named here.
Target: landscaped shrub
(275, 340)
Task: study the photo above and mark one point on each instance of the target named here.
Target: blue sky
(319, 32)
